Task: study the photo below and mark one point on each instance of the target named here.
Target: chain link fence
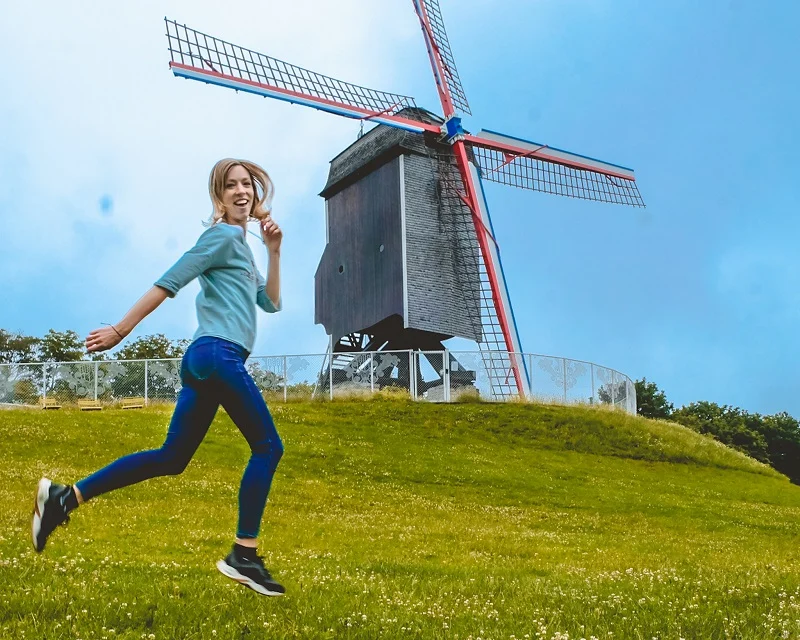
(434, 376)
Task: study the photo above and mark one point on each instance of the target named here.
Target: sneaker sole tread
(42, 493)
(229, 572)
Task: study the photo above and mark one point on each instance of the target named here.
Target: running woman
(213, 369)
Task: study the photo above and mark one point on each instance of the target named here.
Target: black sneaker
(251, 573)
(49, 511)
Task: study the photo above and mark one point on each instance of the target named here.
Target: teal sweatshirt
(230, 285)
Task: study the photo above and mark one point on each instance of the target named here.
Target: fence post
(146, 381)
(564, 366)
(593, 398)
(330, 373)
(284, 378)
(95, 380)
(415, 364)
(372, 372)
(410, 374)
(446, 367)
(613, 389)
(530, 375)
(44, 381)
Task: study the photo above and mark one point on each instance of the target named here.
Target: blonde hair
(262, 186)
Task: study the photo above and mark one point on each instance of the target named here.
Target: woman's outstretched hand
(102, 339)
(271, 234)
(111, 335)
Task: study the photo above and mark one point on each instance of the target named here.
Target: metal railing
(435, 376)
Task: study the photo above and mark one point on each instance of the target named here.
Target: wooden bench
(133, 403)
(89, 405)
(49, 403)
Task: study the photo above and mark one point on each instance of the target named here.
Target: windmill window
(380, 248)
(341, 268)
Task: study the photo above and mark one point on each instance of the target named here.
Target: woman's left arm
(273, 236)
(273, 287)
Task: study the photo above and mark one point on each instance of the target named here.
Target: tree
(152, 347)
(17, 347)
(651, 402)
(120, 379)
(611, 393)
(19, 382)
(730, 425)
(774, 439)
(61, 346)
(782, 432)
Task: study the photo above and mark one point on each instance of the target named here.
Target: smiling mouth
(241, 203)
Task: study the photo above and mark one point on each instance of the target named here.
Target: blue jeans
(213, 374)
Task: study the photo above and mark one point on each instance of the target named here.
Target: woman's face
(238, 195)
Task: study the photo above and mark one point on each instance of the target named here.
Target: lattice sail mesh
(472, 274)
(196, 49)
(535, 174)
(434, 13)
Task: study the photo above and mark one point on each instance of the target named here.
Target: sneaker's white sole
(42, 493)
(227, 570)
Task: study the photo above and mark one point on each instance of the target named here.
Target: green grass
(405, 520)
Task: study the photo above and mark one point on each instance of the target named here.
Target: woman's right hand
(102, 339)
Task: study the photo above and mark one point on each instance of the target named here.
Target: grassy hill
(404, 520)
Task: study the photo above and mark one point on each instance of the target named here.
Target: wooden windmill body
(393, 268)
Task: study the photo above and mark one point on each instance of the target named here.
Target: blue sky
(104, 158)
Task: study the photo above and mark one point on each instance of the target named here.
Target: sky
(104, 161)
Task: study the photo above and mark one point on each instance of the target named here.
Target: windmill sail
(480, 276)
(443, 62)
(529, 165)
(198, 56)
(460, 184)
(508, 372)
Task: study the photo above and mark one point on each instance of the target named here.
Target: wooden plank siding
(356, 284)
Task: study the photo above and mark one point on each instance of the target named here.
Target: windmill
(462, 161)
